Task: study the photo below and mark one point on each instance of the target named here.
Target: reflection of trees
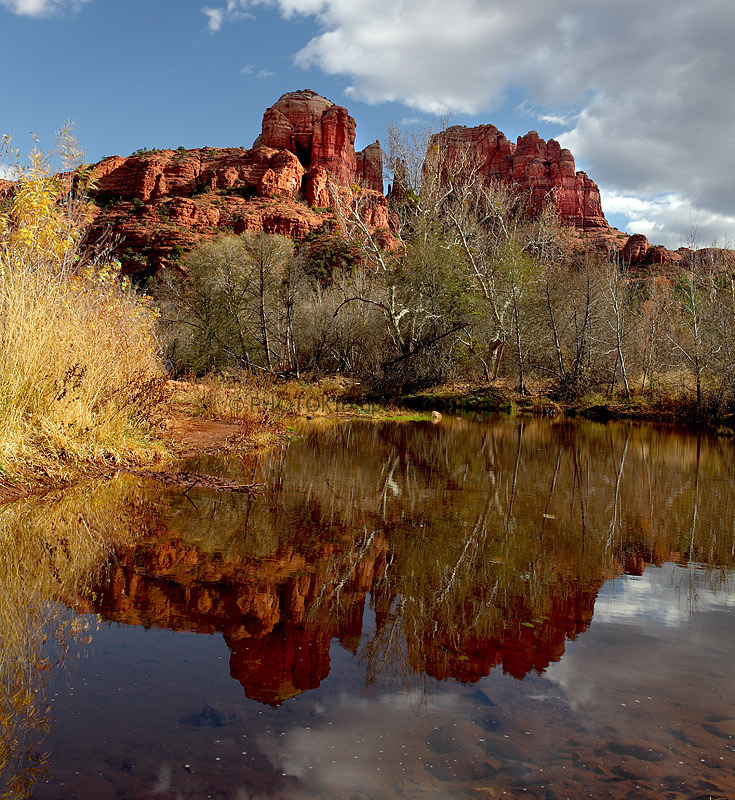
(50, 550)
(476, 545)
(479, 545)
(500, 535)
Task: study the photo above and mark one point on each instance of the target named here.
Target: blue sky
(641, 92)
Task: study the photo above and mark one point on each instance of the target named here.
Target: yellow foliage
(79, 366)
(35, 229)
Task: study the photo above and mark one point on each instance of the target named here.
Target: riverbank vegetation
(80, 375)
(469, 287)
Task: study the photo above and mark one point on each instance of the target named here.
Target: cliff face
(161, 203)
(543, 169)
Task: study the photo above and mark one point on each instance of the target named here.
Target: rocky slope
(158, 204)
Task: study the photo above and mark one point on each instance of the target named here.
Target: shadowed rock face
(543, 169)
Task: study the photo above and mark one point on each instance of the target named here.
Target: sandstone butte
(159, 204)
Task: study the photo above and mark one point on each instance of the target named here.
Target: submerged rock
(210, 717)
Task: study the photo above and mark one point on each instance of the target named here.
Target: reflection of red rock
(542, 169)
(277, 667)
(520, 649)
(264, 609)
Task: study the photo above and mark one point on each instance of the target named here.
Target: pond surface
(482, 608)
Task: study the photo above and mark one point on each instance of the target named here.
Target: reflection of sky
(631, 678)
(646, 671)
(650, 639)
(666, 596)
(370, 744)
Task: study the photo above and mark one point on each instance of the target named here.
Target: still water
(478, 608)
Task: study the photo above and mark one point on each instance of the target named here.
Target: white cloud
(251, 69)
(41, 8)
(215, 18)
(644, 89)
(671, 220)
(232, 10)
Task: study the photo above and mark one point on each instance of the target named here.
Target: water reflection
(51, 551)
(459, 552)
(477, 545)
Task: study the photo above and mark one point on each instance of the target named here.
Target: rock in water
(210, 717)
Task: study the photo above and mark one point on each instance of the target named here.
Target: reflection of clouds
(366, 744)
(648, 636)
(163, 784)
(663, 596)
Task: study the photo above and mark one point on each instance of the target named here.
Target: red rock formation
(634, 251)
(321, 135)
(162, 202)
(659, 255)
(543, 169)
(637, 252)
(370, 167)
(169, 173)
(373, 209)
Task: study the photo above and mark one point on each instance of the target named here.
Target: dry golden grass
(80, 377)
(249, 398)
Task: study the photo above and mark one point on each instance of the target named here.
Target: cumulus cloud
(671, 219)
(642, 91)
(41, 8)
